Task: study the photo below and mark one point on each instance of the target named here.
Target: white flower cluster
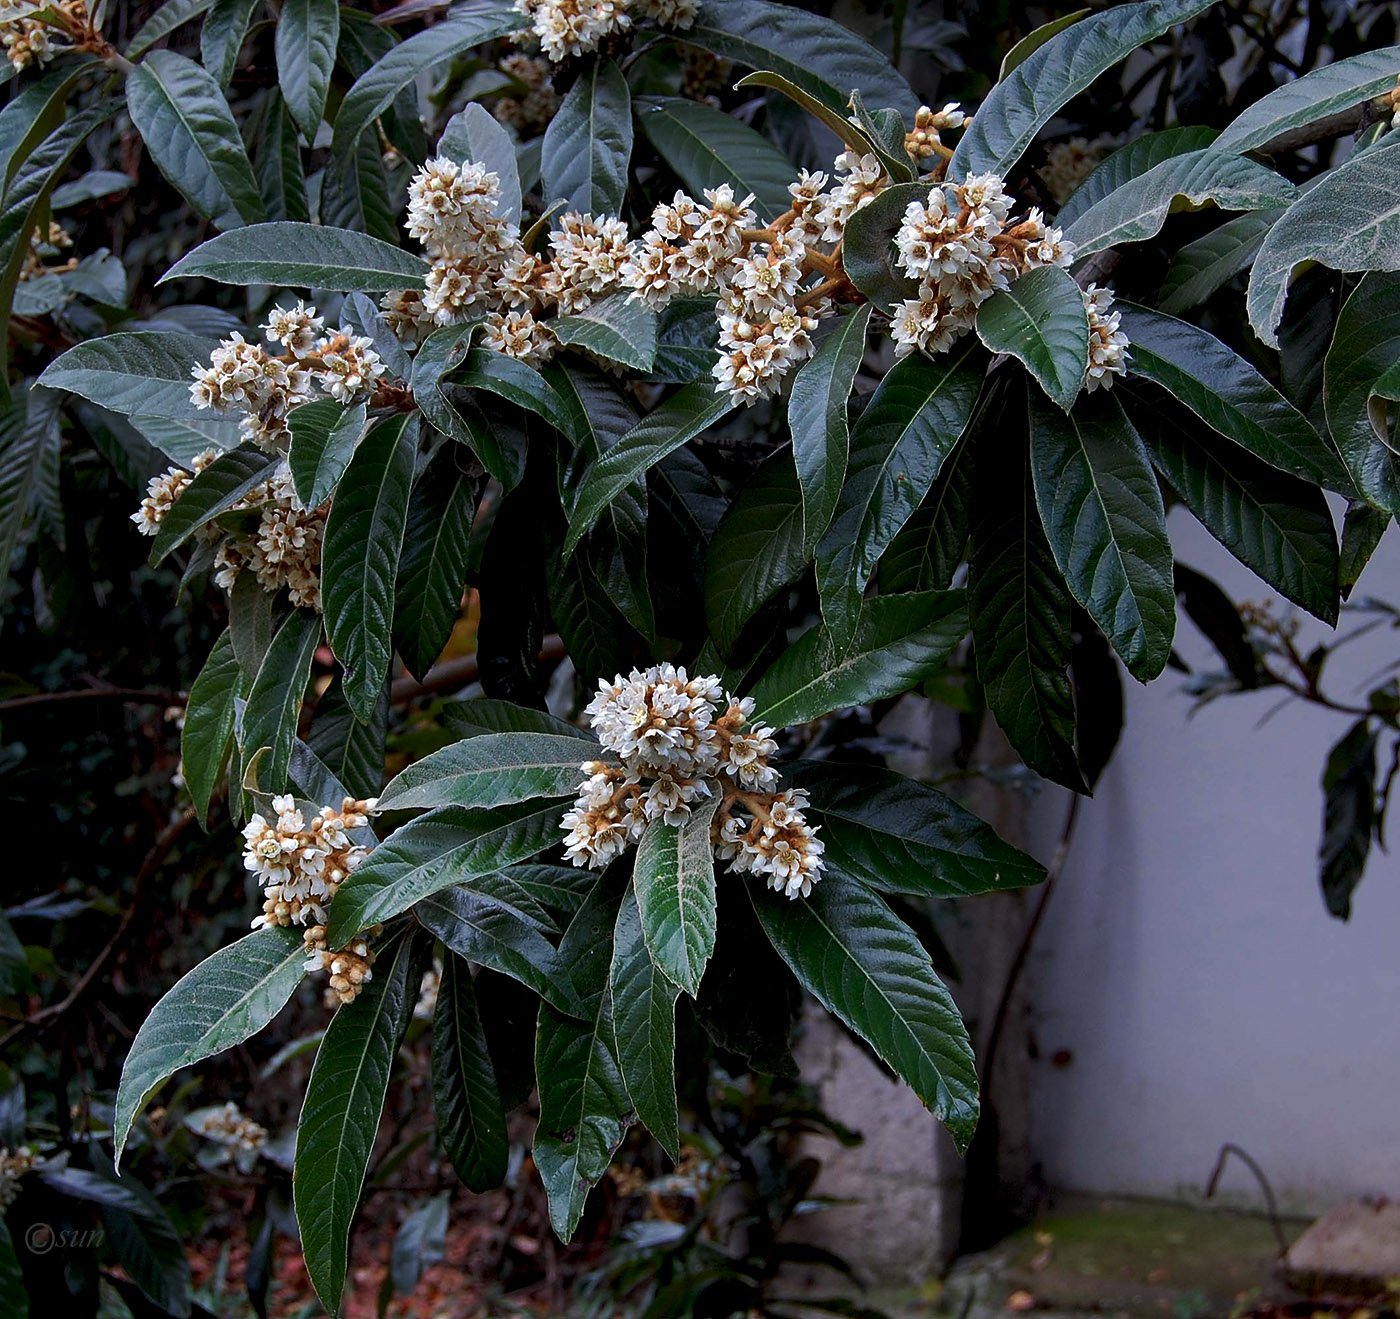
(529, 112)
(29, 40)
(962, 247)
(1108, 345)
(300, 865)
(677, 747)
(283, 551)
(575, 27)
(244, 377)
(13, 1165)
(226, 1124)
(479, 260)
(348, 967)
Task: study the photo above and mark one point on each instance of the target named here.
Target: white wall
(1188, 964)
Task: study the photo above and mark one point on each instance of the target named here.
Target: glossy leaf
(488, 715)
(224, 1000)
(32, 115)
(756, 551)
(495, 769)
(644, 1026)
(898, 835)
(900, 640)
(1103, 516)
(353, 751)
(307, 34)
(160, 24)
(839, 123)
(1349, 807)
(928, 550)
(1042, 321)
(706, 147)
(908, 428)
(215, 490)
(517, 383)
(360, 558)
(471, 1119)
(615, 329)
(447, 846)
(340, 1115)
(324, 435)
(1139, 208)
(588, 144)
(1228, 394)
(674, 881)
(286, 253)
(28, 429)
(865, 966)
(1362, 529)
(274, 701)
(180, 112)
(1350, 220)
(144, 373)
(821, 434)
(1016, 109)
(680, 418)
(868, 251)
(207, 733)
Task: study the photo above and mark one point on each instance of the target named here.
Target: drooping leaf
(1131, 160)
(471, 1119)
(307, 34)
(207, 734)
(900, 640)
(28, 428)
(588, 143)
(821, 435)
(897, 835)
(1362, 529)
(420, 1242)
(866, 966)
(221, 37)
(1035, 39)
(1201, 267)
(1041, 319)
(1138, 209)
(1015, 110)
(1103, 516)
(324, 435)
(1350, 220)
(1365, 345)
(516, 382)
(1314, 96)
(680, 418)
(824, 59)
(495, 769)
(145, 373)
(360, 558)
(706, 147)
(1349, 808)
(180, 112)
(1273, 523)
(473, 134)
(340, 1115)
(644, 1026)
(289, 254)
(615, 329)
(756, 551)
(224, 1000)
(674, 881)
(450, 845)
(142, 1238)
(1228, 394)
(161, 23)
(908, 428)
(433, 568)
(32, 115)
(1020, 610)
(215, 490)
(839, 123)
(274, 701)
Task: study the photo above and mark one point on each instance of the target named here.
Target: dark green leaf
(1041, 320)
(360, 560)
(1015, 110)
(473, 135)
(908, 428)
(517, 383)
(674, 882)
(221, 37)
(252, 619)
(161, 23)
(31, 116)
(340, 1115)
(866, 966)
(839, 122)
(351, 750)
(486, 715)
(644, 1026)
(182, 117)
(471, 1120)
(148, 1248)
(706, 147)
(220, 1003)
(1362, 530)
(868, 251)
(28, 428)
(588, 143)
(1035, 39)
(215, 490)
(756, 551)
(821, 435)
(1349, 810)
(926, 553)
(307, 34)
(274, 701)
(324, 435)
(447, 846)
(1132, 159)
(146, 373)
(900, 836)
(1103, 515)
(900, 640)
(1200, 268)
(207, 735)
(615, 329)
(14, 1297)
